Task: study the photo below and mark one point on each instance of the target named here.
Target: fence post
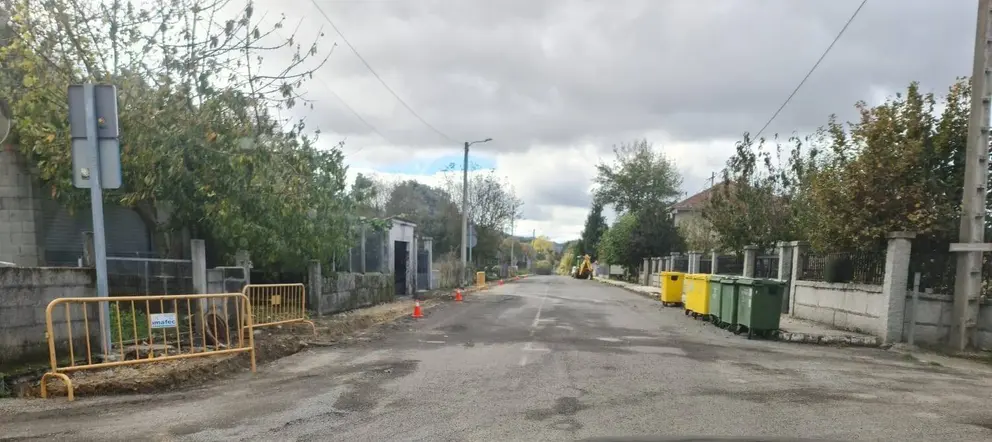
(799, 249)
(198, 259)
(315, 288)
(89, 254)
(243, 259)
(362, 266)
(714, 258)
(429, 246)
(894, 284)
(750, 258)
(645, 271)
(694, 258)
(785, 272)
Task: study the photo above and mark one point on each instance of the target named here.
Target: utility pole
(968, 280)
(465, 245)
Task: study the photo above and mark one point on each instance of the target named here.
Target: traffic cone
(416, 310)
(458, 295)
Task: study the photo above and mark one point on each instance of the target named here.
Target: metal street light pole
(464, 248)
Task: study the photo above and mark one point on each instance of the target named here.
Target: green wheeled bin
(729, 294)
(759, 306)
(716, 284)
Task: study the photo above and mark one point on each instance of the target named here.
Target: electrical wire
(376, 75)
(813, 69)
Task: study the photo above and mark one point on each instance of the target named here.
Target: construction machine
(582, 270)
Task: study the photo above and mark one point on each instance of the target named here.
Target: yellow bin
(671, 288)
(697, 294)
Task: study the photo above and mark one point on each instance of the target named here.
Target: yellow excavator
(583, 270)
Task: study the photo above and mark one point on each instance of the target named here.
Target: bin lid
(668, 273)
(749, 281)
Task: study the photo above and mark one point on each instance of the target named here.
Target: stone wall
(20, 211)
(24, 294)
(855, 307)
(343, 291)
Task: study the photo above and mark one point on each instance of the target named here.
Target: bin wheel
(687, 312)
(750, 333)
(737, 329)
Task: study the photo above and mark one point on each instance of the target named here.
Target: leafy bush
(542, 267)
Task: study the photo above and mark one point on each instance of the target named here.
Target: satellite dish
(6, 120)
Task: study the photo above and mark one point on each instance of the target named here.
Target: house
(690, 210)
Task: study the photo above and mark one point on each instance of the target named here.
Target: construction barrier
(480, 279)
(277, 304)
(143, 329)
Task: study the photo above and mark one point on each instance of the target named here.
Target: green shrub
(542, 267)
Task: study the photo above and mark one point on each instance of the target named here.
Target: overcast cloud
(556, 83)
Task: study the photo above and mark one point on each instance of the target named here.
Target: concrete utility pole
(464, 247)
(968, 281)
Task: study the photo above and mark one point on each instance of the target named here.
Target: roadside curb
(818, 339)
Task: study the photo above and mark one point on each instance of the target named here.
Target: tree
(753, 205)
(639, 177)
(492, 201)
(699, 236)
(616, 243)
(903, 164)
(493, 206)
(543, 247)
(634, 236)
(201, 136)
(594, 229)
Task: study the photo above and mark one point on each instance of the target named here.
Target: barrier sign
(163, 320)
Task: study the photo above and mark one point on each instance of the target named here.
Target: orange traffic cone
(458, 295)
(416, 310)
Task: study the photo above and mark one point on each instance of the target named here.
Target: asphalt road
(547, 358)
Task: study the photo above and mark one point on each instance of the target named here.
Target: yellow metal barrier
(480, 279)
(275, 304)
(144, 329)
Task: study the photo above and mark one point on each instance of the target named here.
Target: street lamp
(465, 208)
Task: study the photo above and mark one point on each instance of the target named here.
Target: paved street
(548, 358)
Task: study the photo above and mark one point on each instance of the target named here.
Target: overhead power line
(813, 69)
(376, 75)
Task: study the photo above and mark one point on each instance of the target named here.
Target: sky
(557, 83)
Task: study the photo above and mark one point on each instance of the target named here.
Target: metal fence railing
(730, 265)
(705, 266)
(766, 266)
(858, 267)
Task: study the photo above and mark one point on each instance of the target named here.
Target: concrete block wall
(854, 307)
(24, 294)
(20, 211)
(930, 325)
(348, 291)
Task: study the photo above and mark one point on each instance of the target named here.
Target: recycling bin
(759, 305)
(671, 288)
(729, 294)
(713, 297)
(697, 301)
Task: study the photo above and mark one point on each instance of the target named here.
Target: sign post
(96, 165)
